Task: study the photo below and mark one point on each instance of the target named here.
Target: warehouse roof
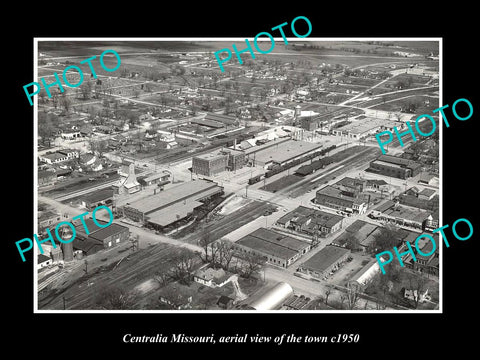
(196, 189)
(285, 151)
(399, 161)
(221, 118)
(273, 243)
(99, 195)
(325, 258)
(266, 247)
(177, 211)
(112, 229)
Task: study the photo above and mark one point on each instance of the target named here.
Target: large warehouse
(175, 203)
(282, 153)
(322, 263)
(395, 166)
(277, 248)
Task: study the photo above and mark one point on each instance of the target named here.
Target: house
(43, 261)
(413, 295)
(212, 277)
(87, 159)
(70, 135)
(177, 296)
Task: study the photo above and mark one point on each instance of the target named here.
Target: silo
(67, 251)
(274, 297)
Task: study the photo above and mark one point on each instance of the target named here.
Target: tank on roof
(274, 297)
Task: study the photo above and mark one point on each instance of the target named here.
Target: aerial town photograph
(260, 187)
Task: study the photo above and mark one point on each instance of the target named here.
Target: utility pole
(86, 266)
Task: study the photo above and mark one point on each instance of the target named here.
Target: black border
(379, 333)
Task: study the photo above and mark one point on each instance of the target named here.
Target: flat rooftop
(318, 217)
(285, 151)
(170, 214)
(367, 124)
(325, 258)
(210, 156)
(196, 189)
(273, 243)
(384, 163)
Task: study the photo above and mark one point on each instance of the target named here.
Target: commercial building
(311, 221)
(166, 207)
(215, 163)
(402, 215)
(152, 179)
(329, 259)
(395, 166)
(276, 248)
(209, 164)
(341, 199)
(59, 156)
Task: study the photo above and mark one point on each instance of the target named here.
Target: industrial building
(395, 166)
(274, 298)
(329, 259)
(166, 207)
(128, 182)
(281, 152)
(276, 248)
(98, 238)
(359, 129)
(311, 221)
(97, 198)
(212, 164)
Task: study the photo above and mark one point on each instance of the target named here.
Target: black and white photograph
(217, 180)
(270, 185)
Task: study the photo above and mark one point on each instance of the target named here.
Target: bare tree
(327, 294)
(225, 253)
(116, 298)
(417, 285)
(352, 295)
(183, 269)
(86, 89)
(252, 264)
(162, 277)
(204, 242)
